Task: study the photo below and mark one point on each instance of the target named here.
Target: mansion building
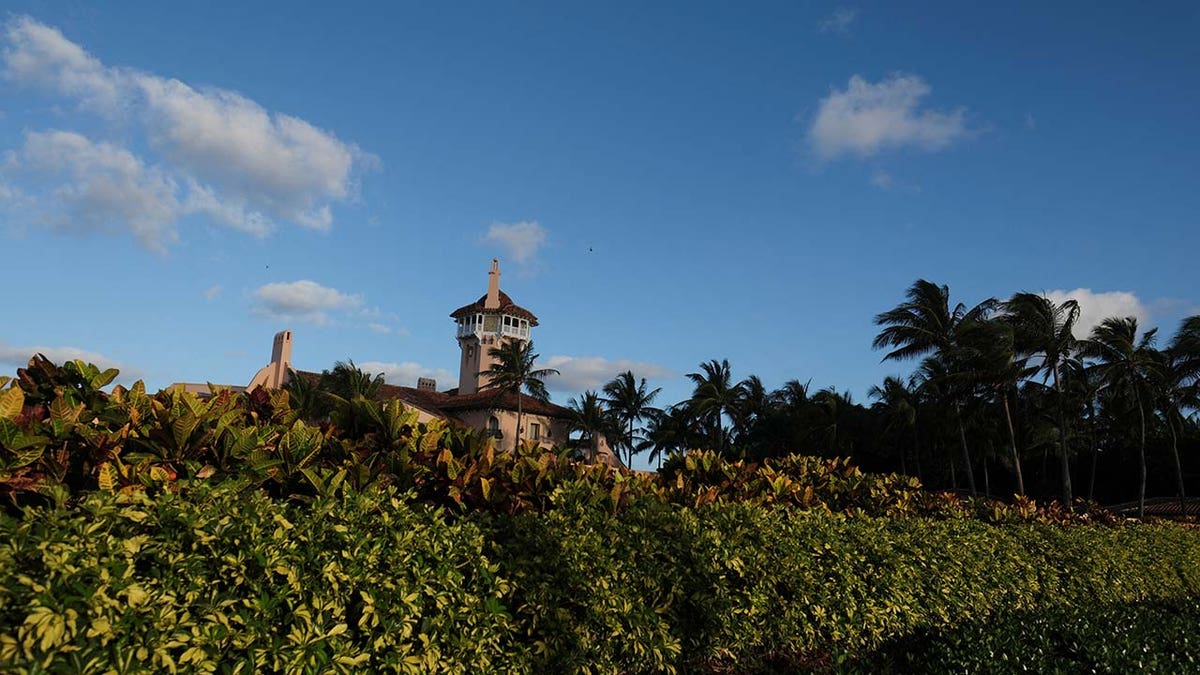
(481, 326)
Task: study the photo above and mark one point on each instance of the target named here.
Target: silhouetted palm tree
(714, 398)
(1127, 365)
(630, 401)
(515, 370)
(1044, 329)
(926, 324)
(591, 419)
(897, 403)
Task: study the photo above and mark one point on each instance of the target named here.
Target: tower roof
(507, 306)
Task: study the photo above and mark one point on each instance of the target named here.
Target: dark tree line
(1004, 397)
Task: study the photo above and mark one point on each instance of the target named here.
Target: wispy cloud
(405, 374)
(306, 301)
(380, 328)
(840, 21)
(520, 241)
(218, 153)
(212, 292)
(577, 373)
(868, 118)
(1096, 307)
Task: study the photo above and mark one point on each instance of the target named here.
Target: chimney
(493, 294)
(426, 384)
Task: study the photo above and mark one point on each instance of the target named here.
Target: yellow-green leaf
(11, 403)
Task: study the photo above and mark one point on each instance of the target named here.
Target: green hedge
(361, 582)
(236, 582)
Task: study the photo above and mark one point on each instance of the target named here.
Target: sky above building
(664, 184)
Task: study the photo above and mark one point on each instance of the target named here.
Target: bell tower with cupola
(482, 326)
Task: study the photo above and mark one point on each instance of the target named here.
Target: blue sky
(663, 185)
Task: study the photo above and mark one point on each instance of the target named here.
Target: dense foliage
(375, 581)
(244, 533)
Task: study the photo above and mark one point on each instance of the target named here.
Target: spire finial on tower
(493, 294)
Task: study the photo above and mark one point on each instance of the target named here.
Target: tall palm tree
(1128, 365)
(591, 419)
(714, 398)
(1185, 351)
(898, 405)
(926, 324)
(630, 401)
(1045, 330)
(751, 406)
(515, 370)
(670, 431)
(833, 416)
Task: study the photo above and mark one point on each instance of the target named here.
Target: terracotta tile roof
(448, 402)
(507, 306)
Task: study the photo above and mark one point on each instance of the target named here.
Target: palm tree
(714, 398)
(926, 324)
(751, 406)
(513, 371)
(589, 417)
(898, 405)
(1128, 365)
(1044, 329)
(670, 431)
(834, 415)
(347, 380)
(630, 402)
(1185, 351)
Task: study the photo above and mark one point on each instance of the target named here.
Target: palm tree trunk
(962, 436)
(517, 436)
(1012, 436)
(987, 481)
(917, 452)
(1062, 442)
(1141, 455)
(630, 467)
(1178, 466)
(1095, 452)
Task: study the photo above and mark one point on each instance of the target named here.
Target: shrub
(360, 582)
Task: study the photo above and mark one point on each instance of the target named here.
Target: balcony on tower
(479, 324)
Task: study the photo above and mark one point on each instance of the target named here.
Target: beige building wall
(551, 432)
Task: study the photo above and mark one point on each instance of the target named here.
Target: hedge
(227, 580)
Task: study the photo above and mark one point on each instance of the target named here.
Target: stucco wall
(553, 431)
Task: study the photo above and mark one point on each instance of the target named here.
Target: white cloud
(839, 21)
(1096, 307)
(212, 292)
(520, 241)
(405, 374)
(577, 373)
(868, 118)
(244, 165)
(101, 186)
(379, 328)
(305, 301)
(19, 357)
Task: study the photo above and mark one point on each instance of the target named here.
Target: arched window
(494, 425)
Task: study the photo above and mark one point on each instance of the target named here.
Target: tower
(482, 326)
